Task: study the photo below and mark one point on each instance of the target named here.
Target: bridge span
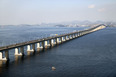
(44, 42)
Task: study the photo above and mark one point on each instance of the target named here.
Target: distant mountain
(75, 23)
(60, 25)
(85, 23)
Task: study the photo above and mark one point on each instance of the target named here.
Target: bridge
(44, 42)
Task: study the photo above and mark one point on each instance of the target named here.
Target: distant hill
(60, 25)
(75, 23)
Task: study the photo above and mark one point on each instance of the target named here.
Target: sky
(53, 11)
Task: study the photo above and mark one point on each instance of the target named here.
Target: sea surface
(16, 34)
(92, 55)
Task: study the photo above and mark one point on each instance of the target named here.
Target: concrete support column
(52, 41)
(46, 43)
(1, 55)
(38, 45)
(29, 48)
(33, 47)
(58, 40)
(63, 38)
(17, 51)
(68, 37)
(6, 56)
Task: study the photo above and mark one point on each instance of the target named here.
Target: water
(16, 34)
(93, 55)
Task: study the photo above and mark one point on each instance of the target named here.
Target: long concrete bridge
(44, 42)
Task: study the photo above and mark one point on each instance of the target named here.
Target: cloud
(101, 9)
(91, 6)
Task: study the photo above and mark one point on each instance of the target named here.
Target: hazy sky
(50, 11)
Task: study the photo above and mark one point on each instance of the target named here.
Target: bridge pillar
(56, 39)
(67, 38)
(63, 38)
(17, 52)
(6, 56)
(38, 46)
(46, 43)
(1, 55)
(52, 41)
(29, 48)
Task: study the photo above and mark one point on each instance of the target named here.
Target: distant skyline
(16, 12)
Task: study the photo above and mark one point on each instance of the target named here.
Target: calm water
(93, 55)
(16, 34)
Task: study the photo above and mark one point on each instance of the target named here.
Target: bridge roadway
(61, 38)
